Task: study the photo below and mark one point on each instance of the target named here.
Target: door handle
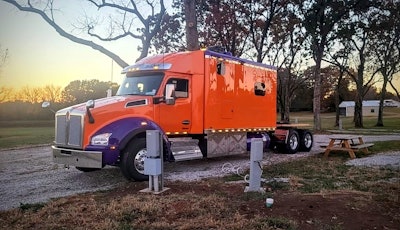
(185, 122)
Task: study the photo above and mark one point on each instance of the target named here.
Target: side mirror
(47, 104)
(90, 104)
(170, 94)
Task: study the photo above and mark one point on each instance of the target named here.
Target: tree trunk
(337, 109)
(358, 117)
(317, 93)
(287, 106)
(381, 101)
(337, 98)
(192, 35)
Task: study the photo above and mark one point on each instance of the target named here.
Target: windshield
(140, 85)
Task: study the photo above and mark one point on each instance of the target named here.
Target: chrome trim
(78, 158)
(69, 126)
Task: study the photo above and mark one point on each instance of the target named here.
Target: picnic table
(347, 143)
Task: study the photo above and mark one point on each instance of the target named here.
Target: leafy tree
(260, 17)
(6, 94)
(321, 20)
(82, 91)
(138, 20)
(357, 31)
(286, 51)
(52, 93)
(30, 94)
(340, 59)
(386, 46)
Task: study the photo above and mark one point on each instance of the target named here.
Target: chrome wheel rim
(307, 140)
(139, 160)
(293, 142)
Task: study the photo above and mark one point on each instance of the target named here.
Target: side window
(259, 88)
(181, 87)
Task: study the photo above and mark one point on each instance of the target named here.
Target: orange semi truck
(206, 104)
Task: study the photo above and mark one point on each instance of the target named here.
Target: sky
(39, 56)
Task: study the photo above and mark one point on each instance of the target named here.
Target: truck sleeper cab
(205, 104)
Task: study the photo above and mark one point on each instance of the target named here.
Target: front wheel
(132, 163)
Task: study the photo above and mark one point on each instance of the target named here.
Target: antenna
(109, 91)
(112, 70)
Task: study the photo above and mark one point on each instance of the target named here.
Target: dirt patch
(208, 204)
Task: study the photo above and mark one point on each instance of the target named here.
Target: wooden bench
(362, 147)
(347, 144)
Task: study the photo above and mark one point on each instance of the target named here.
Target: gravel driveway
(28, 175)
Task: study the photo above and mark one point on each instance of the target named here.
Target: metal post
(153, 163)
(256, 156)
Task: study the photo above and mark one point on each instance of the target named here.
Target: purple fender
(123, 131)
(264, 136)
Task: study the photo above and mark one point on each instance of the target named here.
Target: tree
(118, 20)
(4, 91)
(340, 59)
(192, 35)
(386, 46)
(82, 91)
(261, 15)
(52, 93)
(30, 94)
(321, 19)
(4, 56)
(286, 52)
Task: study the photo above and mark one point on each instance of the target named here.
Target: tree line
(359, 39)
(25, 103)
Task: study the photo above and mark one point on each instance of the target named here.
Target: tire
(306, 141)
(82, 169)
(132, 163)
(293, 142)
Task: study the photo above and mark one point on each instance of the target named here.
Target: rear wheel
(132, 163)
(306, 141)
(293, 142)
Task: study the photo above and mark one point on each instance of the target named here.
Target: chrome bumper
(78, 158)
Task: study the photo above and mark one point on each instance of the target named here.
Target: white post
(153, 163)
(256, 156)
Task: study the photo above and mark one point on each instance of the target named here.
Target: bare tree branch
(63, 33)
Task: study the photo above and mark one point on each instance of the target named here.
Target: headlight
(101, 139)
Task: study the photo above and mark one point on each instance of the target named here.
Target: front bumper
(78, 158)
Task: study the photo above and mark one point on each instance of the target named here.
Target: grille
(69, 129)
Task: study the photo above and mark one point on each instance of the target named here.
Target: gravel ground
(28, 175)
(388, 159)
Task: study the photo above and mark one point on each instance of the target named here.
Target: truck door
(177, 118)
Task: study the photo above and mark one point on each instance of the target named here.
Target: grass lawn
(26, 133)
